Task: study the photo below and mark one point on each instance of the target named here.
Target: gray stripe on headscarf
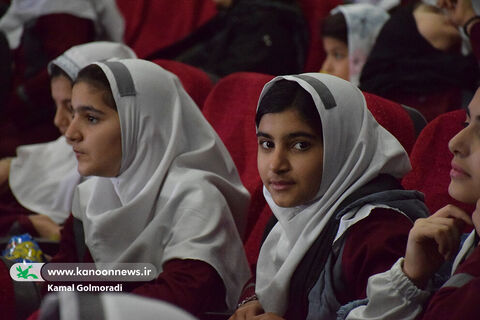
(122, 77)
(325, 95)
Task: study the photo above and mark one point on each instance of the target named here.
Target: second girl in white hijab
(42, 177)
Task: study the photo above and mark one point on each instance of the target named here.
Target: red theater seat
(393, 117)
(154, 24)
(431, 161)
(230, 108)
(315, 11)
(195, 81)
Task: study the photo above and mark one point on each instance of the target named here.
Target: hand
(432, 241)
(248, 311)
(4, 173)
(459, 11)
(45, 226)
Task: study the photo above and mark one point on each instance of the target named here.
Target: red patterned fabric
(154, 24)
(315, 11)
(195, 81)
(230, 108)
(393, 117)
(431, 161)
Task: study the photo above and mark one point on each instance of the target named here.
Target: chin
(462, 193)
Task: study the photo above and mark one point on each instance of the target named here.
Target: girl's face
(336, 62)
(94, 133)
(465, 146)
(61, 89)
(290, 158)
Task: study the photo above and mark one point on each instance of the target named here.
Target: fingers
(444, 232)
(248, 311)
(453, 212)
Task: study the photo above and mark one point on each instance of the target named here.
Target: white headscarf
(356, 149)
(178, 193)
(108, 20)
(43, 176)
(364, 22)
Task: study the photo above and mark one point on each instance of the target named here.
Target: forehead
(84, 93)
(61, 83)
(334, 44)
(474, 106)
(284, 122)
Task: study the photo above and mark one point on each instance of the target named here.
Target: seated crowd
(252, 182)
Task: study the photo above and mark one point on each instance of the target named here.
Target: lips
(78, 153)
(458, 172)
(281, 185)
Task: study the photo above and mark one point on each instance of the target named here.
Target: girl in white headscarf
(163, 188)
(330, 177)
(349, 33)
(42, 177)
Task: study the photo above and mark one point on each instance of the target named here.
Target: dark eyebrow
(87, 109)
(290, 136)
(301, 134)
(264, 135)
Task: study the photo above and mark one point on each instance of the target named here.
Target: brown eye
(301, 146)
(267, 144)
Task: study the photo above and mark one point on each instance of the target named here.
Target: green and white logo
(26, 271)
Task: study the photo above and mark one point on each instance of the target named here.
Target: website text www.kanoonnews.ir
(78, 276)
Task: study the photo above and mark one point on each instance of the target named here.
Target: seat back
(395, 118)
(231, 108)
(154, 24)
(314, 11)
(431, 160)
(195, 81)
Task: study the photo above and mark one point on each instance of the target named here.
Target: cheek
(344, 70)
(311, 174)
(261, 166)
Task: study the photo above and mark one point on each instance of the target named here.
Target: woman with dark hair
(330, 177)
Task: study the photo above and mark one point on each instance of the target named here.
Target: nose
(62, 119)
(72, 133)
(279, 162)
(459, 145)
